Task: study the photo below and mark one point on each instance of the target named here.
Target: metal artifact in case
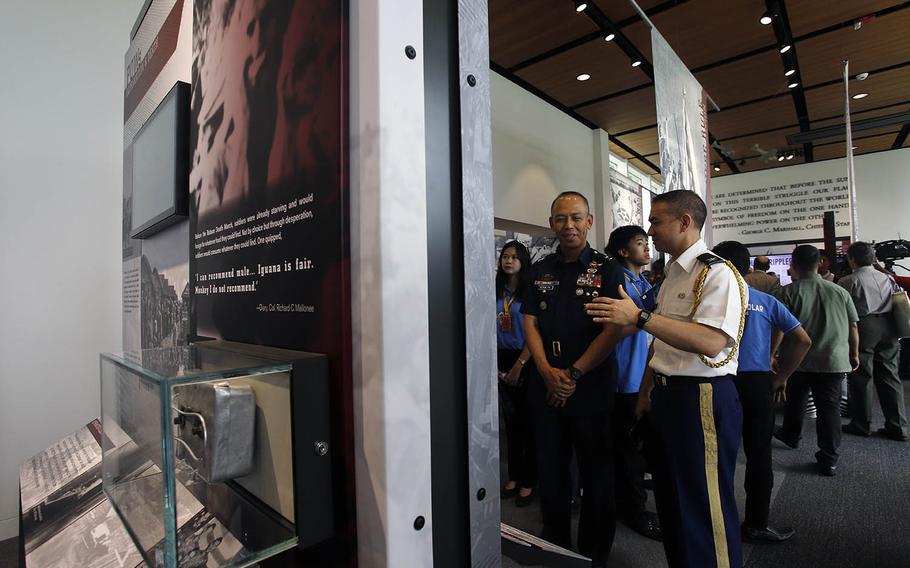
(204, 465)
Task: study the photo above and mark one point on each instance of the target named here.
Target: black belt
(665, 381)
(876, 315)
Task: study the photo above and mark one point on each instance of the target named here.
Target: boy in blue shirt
(629, 246)
(768, 322)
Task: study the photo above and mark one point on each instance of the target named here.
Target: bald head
(761, 263)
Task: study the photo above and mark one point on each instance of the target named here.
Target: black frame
(180, 210)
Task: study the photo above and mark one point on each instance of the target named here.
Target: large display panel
(780, 265)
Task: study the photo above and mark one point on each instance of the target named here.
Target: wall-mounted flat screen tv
(161, 165)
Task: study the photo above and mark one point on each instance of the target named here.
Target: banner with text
(781, 205)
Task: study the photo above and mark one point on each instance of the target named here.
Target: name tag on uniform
(546, 285)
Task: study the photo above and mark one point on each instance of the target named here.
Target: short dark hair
(805, 257)
(736, 253)
(862, 253)
(622, 236)
(824, 254)
(760, 264)
(570, 194)
(682, 201)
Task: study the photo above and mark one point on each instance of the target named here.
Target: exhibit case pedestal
(201, 459)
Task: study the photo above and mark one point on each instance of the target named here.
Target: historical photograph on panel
(97, 539)
(682, 122)
(62, 507)
(266, 194)
(539, 241)
(165, 312)
(627, 201)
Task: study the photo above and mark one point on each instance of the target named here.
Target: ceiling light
(583, 77)
(790, 156)
(580, 6)
(765, 19)
(860, 95)
(785, 48)
(780, 158)
(610, 37)
(636, 63)
(792, 85)
(716, 168)
(790, 72)
(854, 147)
(862, 76)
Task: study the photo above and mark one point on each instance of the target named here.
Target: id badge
(505, 322)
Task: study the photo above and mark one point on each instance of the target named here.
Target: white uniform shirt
(720, 308)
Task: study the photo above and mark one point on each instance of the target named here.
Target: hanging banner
(851, 172)
(627, 205)
(682, 125)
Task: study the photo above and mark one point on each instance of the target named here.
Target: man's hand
(780, 388)
(560, 385)
(642, 406)
(622, 312)
(513, 377)
(854, 361)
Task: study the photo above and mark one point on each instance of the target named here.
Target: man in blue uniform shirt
(758, 386)
(629, 246)
(570, 393)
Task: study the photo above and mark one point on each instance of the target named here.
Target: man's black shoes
(767, 535)
(646, 524)
(852, 428)
(896, 435)
(787, 440)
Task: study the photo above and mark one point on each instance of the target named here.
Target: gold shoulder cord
(697, 290)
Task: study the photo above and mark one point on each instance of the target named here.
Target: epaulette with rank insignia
(710, 258)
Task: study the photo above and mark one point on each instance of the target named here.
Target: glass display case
(199, 458)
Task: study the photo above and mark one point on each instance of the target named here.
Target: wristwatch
(575, 373)
(644, 317)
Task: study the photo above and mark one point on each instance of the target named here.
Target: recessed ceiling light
(636, 63)
(792, 85)
(862, 76)
(765, 19)
(780, 158)
(610, 37)
(860, 95)
(854, 147)
(785, 48)
(580, 6)
(716, 168)
(583, 77)
(790, 156)
(790, 72)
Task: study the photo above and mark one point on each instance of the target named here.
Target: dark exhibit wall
(269, 251)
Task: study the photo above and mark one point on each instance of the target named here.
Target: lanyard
(507, 301)
(629, 280)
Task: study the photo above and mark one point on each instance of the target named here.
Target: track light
(610, 37)
(580, 6)
(862, 76)
(790, 72)
(636, 63)
(790, 156)
(792, 85)
(765, 19)
(583, 77)
(785, 48)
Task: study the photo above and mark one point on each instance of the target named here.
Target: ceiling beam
(901, 137)
(635, 154)
(789, 60)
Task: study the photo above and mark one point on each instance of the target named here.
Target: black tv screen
(161, 174)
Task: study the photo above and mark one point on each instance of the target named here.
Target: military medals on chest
(589, 282)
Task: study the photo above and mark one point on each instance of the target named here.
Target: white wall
(61, 148)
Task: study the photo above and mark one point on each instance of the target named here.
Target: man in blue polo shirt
(629, 246)
(768, 323)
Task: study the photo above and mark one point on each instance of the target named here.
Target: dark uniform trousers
(698, 425)
(589, 435)
(879, 351)
(756, 394)
(516, 413)
(826, 391)
(629, 461)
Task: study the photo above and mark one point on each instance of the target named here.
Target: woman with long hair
(512, 274)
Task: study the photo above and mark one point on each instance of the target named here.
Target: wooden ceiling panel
(623, 113)
(620, 151)
(809, 16)
(606, 63)
(705, 31)
(745, 80)
(642, 166)
(619, 10)
(767, 144)
(521, 29)
(880, 43)
(864, 145)
(891, 87)
(773, 113)
(644, 142)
